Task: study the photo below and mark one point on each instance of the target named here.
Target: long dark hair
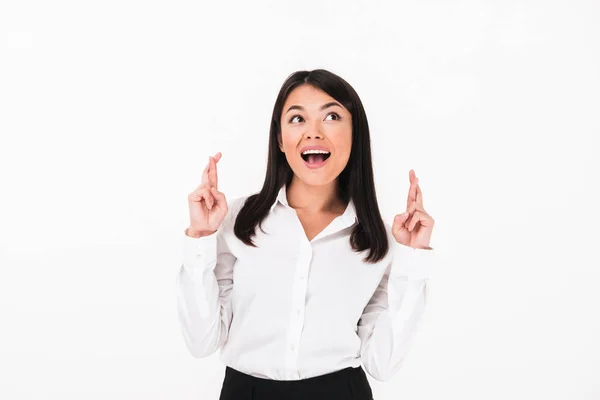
(355, 181)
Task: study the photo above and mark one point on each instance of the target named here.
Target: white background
(109, 110)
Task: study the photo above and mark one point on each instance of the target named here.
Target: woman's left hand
(413, 228)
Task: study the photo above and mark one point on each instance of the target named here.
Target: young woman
(303, 282)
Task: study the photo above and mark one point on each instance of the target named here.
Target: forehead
(308, 97)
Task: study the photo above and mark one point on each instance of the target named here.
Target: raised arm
(392, 316)
(205, 278)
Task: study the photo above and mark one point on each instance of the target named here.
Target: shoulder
(391, 240)
(234, 206)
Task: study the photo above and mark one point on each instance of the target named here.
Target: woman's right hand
(208, 206)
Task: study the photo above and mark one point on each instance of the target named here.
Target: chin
(314, 177)
(315, 181)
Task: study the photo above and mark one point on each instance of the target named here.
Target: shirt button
(292, 347)
(298, 312)
(301, 277)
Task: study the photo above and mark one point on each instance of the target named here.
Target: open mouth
(315, 157)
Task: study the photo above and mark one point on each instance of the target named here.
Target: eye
(292, 119)
(337, 117)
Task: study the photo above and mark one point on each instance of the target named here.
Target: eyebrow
(324, 106)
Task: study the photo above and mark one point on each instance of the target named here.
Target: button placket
(302, 264)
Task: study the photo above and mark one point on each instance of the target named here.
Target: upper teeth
(315, 152)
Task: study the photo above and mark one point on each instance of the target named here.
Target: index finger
(412, 190)
(206, 179)
(213, 179)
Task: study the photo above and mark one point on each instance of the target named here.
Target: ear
(279, 141)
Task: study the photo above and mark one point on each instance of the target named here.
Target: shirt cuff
(411, 263)
(199, 252)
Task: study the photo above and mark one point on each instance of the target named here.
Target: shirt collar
(349, 216)
(281, 198)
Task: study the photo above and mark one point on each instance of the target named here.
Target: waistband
(336, 376)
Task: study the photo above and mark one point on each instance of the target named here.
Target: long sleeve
(392, 316)
(204, 286)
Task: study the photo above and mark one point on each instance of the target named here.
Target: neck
(314, 198)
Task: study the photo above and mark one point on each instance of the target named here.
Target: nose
(313, 131)
(315, 135)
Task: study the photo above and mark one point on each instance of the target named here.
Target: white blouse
(292, 308)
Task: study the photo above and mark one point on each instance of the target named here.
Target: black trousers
(346, 384)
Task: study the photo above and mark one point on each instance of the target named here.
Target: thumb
(401, 218)
(219, 197)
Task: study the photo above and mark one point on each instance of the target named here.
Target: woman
(303, 282)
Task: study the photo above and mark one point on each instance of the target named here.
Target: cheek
(290, 139)
(342, 140)
(291, 136)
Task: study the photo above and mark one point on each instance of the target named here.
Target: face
(312, 118)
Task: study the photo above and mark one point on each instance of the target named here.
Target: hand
(413, 228)
(208, 206)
